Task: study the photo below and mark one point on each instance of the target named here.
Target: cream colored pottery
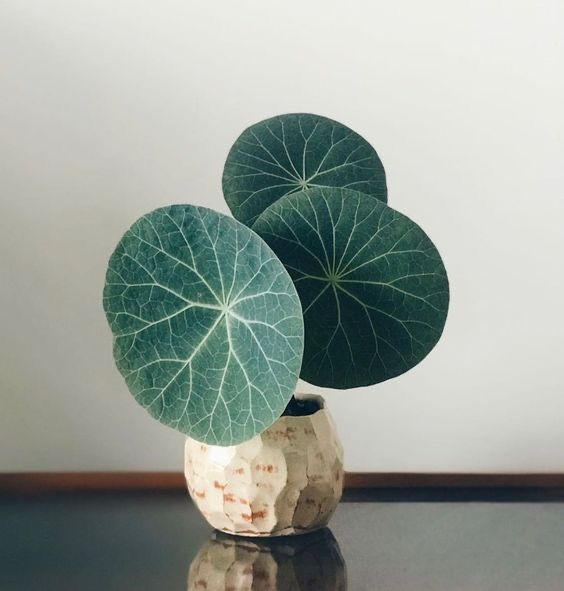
(287, 480)
(303, 563)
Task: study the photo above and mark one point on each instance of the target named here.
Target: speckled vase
(304, 563)
(287, 480)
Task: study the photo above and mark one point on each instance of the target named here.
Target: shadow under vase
(297, 563)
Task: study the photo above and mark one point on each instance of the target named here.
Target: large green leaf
(373, 287)
(289, 153)
(208, 330)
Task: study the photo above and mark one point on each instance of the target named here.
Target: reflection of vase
(312, 562)
(286, 480)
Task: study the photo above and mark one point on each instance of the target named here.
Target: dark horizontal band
(49, 482)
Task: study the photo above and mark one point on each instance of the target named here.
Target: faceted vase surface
(287, 480)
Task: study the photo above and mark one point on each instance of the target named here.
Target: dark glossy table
(391, 540)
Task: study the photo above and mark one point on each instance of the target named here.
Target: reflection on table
(293, 563)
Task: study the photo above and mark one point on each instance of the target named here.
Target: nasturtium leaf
(289, 153)
(373, 287)
(207, 324)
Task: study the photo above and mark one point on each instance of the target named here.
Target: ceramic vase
(286, 480)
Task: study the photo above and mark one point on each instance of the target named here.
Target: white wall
(111, 108)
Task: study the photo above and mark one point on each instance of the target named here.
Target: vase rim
(309, 396)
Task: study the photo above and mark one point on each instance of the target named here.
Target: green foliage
(373, 287)
(208, 330)
(212, 320)
(293, 152)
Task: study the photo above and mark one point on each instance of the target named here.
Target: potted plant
(215, 319)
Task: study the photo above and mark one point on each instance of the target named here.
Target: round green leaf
(374, 290)
(208, 330)
(289, 153)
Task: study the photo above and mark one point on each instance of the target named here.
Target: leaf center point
(333, 278)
